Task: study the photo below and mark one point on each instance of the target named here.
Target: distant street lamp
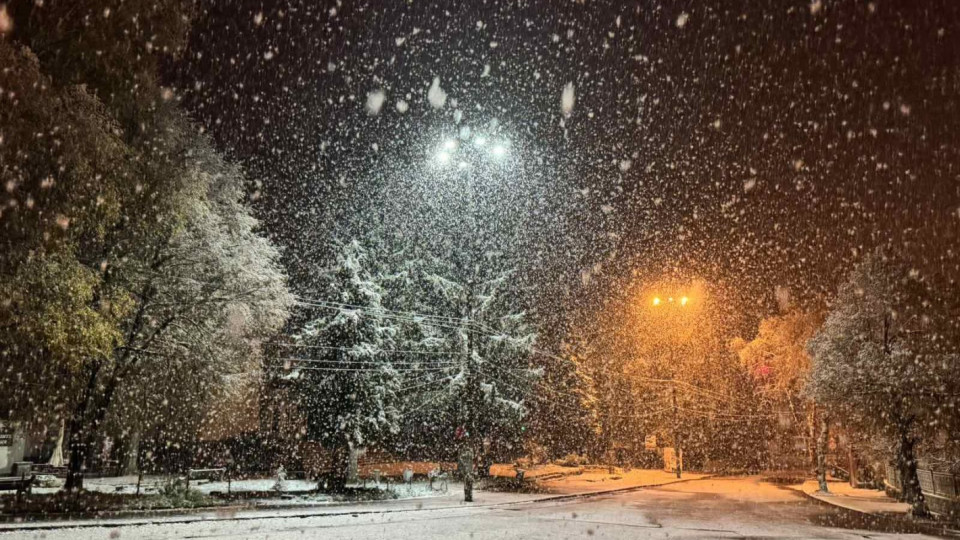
(677, 435)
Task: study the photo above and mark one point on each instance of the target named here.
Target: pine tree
(492, 376)
(565, 415)
(348, 386)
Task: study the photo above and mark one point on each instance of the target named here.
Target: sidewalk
(867, 501)
(874, 503)
(597, 480)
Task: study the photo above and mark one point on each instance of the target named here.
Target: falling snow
(281, 239)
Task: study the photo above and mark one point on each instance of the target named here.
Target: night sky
(751, 144)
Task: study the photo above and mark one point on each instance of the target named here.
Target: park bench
(216, 474)
(21, 483)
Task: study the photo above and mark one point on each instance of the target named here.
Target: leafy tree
(874, 361)
(778, 362)
(126, 244)
(213, 293)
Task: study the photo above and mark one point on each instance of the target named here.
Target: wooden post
(851, 463)
(676, 434)
(20, 486)
(466, 470)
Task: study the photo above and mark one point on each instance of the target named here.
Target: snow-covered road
(712, 508)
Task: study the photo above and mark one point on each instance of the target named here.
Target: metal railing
(941, 484)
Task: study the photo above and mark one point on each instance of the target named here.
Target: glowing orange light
(656, 301)
(684, 300)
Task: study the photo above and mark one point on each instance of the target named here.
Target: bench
(19, 483)
(207, 474)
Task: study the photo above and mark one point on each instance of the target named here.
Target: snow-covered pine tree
(422, 333)
(565, 416)
(347, 385)
(491, 377)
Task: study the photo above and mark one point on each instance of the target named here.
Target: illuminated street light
(483, 148)
(677, 429)
(683, 301)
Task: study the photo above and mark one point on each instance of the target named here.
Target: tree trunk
(812, 435)
(465, 468)
(78, 452)
(822, 440)
(56, 459)
(339, 468)
(78, 439)
(353, 465)
(909, 480)
(129, 451)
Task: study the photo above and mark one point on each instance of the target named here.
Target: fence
(941, 490)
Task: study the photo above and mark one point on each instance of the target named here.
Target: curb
(47, 526)
(615, 491)
(143, 517)
(925, 528)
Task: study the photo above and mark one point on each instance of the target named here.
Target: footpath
(875, 504)
(589, 483)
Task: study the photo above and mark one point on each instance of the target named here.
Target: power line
(725, 416)
(364, 370)
(433, 320)
(437, 394)
(364, 362)
(444, 323)
(383, 309)
(378, 351)
(428, 383)
(697, 389)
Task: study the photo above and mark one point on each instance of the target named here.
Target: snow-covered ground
(293, 492)
(597, 479)
(871, 501)
(716, 508)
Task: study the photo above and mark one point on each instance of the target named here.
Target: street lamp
(475, 157)
(482, 148)
(677, 438)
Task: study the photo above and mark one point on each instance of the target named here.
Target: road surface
(710, 508)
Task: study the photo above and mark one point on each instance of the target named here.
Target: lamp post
(459, 159)
(665, 304)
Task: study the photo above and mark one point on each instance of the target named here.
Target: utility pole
(469, 408)
(677, 442)
(676, 433)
